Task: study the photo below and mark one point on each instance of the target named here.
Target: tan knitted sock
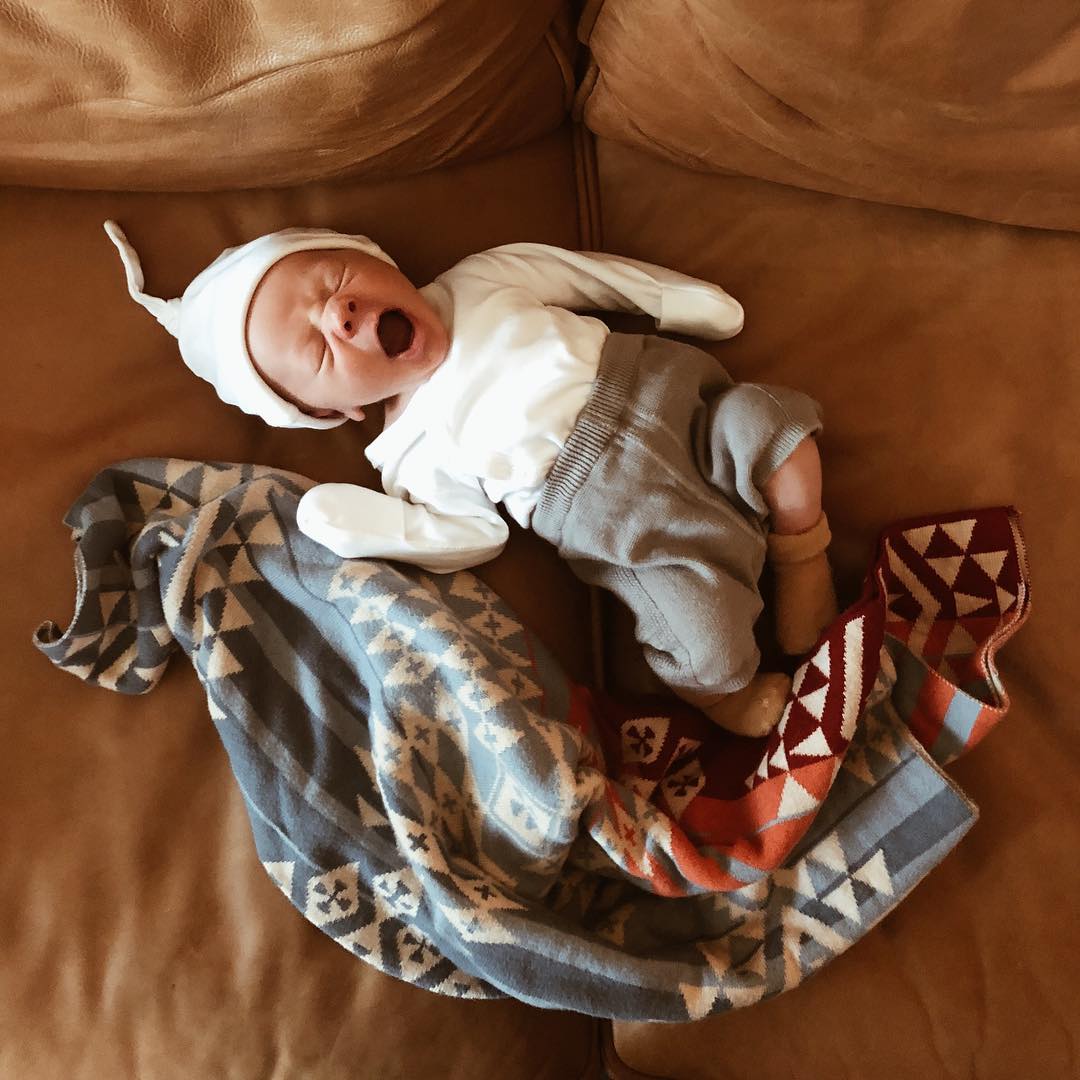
(805, 596)
(755, 709)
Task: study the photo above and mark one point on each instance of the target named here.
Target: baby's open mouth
(395, 332)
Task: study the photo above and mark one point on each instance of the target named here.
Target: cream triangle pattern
(830, 853)
(266, 532)
(796, 878)
(207, 578)
(254, 501)
(222, 663)
(241, 571)
(795, 799)
(110, 678)
(779, 759)
(822, 660)
(281, 873)
(875, 873)
(699, 999)
(235, 615)
(176, 469)
(920, 538)
(149, 497)
(109, 635)
(741, 996)
(814, 703)
(215, 482)
(966, 604)
(959, 532)
(947, 568)
(842, 898)
(991, 563)
(814, 745)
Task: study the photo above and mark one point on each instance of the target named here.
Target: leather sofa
(890, 191)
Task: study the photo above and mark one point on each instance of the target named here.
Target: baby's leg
(763, 457)
(793, 492)
(799, 536)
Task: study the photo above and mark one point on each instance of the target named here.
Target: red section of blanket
(946, 591)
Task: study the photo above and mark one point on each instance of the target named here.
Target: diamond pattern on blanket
(428, 789)
(332, 896)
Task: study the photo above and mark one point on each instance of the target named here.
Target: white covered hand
(355, 522)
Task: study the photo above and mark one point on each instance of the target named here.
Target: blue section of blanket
(414, 786)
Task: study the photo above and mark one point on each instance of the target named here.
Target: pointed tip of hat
(167, 312)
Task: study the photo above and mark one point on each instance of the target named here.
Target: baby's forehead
(301, 260)
(292, 269)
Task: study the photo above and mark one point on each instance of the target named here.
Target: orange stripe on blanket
(928, 716)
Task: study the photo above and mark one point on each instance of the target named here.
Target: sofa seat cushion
(945, 354)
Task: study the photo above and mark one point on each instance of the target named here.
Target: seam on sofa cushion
(589, 13)
(590, 229)
(565, 67)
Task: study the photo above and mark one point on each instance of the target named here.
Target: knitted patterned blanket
(428, 788)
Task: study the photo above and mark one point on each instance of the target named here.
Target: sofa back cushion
(968, 106)
(207, 94)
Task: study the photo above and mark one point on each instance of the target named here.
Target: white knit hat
(210, 318)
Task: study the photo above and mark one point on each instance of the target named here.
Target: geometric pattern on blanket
(427, 787)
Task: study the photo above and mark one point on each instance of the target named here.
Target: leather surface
(141, 935)
(207, 94)
(944, 352)
(963, 105)
(142, 938)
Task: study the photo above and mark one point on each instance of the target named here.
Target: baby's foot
(805, 597)
(755, 709)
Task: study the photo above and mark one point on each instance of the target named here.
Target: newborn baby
(655, 475)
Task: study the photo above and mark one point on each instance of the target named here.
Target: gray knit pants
(656, 497)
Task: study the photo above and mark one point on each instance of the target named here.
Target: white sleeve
(355, 522)
(583, 279)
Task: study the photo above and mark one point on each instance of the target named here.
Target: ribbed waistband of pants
(591, 433)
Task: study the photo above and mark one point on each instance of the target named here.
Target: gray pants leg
(657, 498)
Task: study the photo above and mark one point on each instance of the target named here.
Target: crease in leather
(564, 66)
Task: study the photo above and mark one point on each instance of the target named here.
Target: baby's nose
(340, 317)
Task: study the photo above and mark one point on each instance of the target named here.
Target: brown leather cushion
(945, 353)
(204, 94)
(142, 936)
(964, 105)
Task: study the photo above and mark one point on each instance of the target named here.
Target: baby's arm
(355, 522)
(580, 279)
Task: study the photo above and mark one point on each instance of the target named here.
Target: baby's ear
(353, 413)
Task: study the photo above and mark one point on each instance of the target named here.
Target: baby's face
(334, 330)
